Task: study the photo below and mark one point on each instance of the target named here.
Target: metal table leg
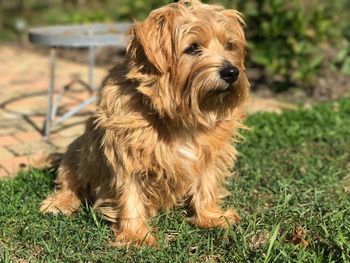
(52, 107)
(91, 68)
(50, 93)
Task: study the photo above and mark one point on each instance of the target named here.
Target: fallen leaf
(299, 237)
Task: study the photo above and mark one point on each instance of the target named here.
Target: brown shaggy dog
(162, 133)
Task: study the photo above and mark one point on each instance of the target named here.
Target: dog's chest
(188, 157)
(187, 152)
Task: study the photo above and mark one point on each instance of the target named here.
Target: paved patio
(23, 100)
(23, 87)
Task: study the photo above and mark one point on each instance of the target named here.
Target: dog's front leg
(132, 227)
(205, 201)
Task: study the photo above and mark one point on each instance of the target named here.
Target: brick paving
(23, 86)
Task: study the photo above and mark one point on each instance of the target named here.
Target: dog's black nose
(229, 74)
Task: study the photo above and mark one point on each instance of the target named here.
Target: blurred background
(298, 49)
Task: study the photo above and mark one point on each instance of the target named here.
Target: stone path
(23, 100)
(23, 87)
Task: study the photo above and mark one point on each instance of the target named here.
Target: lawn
(292, 193)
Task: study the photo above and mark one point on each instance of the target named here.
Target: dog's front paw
(123, 239)
(210, 219)
(60, 203)
(140, 236)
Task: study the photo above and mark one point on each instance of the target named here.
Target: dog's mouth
(221, 97)
(228, 88)
(218, 94)
(222, 90)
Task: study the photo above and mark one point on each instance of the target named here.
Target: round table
(75, 36)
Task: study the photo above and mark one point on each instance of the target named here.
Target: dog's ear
(237, 21)
(236, 25)
(151, 41)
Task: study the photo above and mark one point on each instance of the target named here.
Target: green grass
(291, 177)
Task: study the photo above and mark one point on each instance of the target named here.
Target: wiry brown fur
(163, 129)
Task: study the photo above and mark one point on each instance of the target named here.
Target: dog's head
(188, 59)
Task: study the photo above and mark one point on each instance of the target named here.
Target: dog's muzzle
(229, 73)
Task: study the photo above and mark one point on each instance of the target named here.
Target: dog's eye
(192, 49)
(230, 46)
